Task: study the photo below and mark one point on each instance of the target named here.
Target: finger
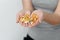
(21, 23)
(21, 14)
(34, 24)
(17, 18)
(40, 18)
(29, 25)
(26, 24)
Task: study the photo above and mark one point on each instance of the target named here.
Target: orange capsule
(26, 18)
(34, 17)
(21, 19)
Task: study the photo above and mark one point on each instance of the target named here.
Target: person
(48, 25)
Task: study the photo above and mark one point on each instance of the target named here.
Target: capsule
(29, 19)
(34, 17)
(26, 18)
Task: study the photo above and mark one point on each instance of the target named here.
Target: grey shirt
(45, 31)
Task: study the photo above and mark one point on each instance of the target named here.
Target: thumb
(17, 18)
(27, 12)
(40, 17)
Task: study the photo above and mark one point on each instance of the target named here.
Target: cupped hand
(32, 23)
(21, 14)
(39, 13)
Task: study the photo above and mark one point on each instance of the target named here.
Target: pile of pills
(34, 17)
(29, 19)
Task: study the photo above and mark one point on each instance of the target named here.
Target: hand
(21, 14)
(39, 13)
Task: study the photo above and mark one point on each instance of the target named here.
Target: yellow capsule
(26, 18)
(34, 17)
(21, 19)
(31, 22)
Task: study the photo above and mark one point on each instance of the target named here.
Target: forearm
(51, 18)
(27, 4)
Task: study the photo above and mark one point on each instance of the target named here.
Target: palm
(39, 19)
(35, 18)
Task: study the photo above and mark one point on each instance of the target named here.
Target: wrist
(44, 15)
(28, 10)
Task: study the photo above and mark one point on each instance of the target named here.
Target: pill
(26, 18)
(34, 17)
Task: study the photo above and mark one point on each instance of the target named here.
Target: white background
(9, 30)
